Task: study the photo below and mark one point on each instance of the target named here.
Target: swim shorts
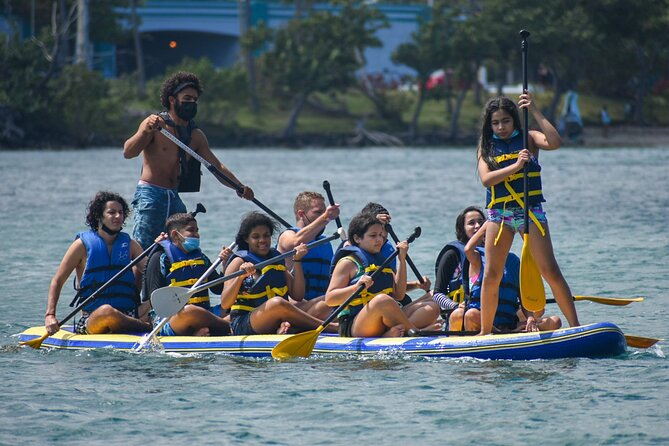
(514, 218)
(152, 205)
(240, 324)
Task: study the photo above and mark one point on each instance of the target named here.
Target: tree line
(50, 94)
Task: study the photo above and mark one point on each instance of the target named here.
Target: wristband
(297, 261)
(50, 314)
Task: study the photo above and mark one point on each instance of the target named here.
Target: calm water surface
(608, 211)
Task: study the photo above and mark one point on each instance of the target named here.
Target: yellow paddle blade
(640, 341)
(532, 293)
(37, 342)
(301, 344)
(619, 301)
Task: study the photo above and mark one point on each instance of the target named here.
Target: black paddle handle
(361, 287)
(412, 265)
(218, 174)
(261, 265)
(108, 283)
(524, 34)
(328, 192)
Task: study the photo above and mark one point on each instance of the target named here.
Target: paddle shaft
(412, 265)
(261, 265)
(526, 181)
(328, 192)
(361, 286)
(164, 320)
(218, 174)
(106, 285)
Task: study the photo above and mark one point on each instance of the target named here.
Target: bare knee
(473, 319)
(382, 301)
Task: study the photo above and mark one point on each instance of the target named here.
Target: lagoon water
(608, 210)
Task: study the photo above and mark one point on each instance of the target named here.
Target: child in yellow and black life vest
(182, 263)
(258, 300)
(501, 159)
(375, 312)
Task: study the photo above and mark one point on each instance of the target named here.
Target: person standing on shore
(606, 121)
(166, 169)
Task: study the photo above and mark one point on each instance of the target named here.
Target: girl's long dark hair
(485, 143)
(250, 221)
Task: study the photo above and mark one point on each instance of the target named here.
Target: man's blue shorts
(152, 205)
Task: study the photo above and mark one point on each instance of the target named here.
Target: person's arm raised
(288, 240)
(143, 137)
(548, 138)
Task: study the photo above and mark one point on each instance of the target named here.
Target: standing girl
(501, 158)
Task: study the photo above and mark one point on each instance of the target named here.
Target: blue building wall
(211, 28)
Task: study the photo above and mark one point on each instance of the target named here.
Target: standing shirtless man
(166, 169)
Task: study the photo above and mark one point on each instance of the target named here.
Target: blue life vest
(510, 193)
(316, 268)
(367, 263)
(255, 292)
(185, 269)
(456, 291)
(509, 292)
(100, 267)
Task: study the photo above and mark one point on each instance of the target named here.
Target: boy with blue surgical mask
(182, 263)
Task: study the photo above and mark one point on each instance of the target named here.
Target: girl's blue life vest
(456, 291)
(510, 193)
(102, 266)
(367, 263)
(255, 292)
(506, 316)
(316, 268)
(184, 269)
(190, 169)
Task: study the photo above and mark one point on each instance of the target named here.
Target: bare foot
(437, 326)
(284, 328)
(395, 332)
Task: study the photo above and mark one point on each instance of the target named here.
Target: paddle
(218, 174)
(532, 292)
(171, 298)
(302, 344)
(326, 186)
(167, 309)
(37, 342)
(391, 231)
(412, 265)
(615, 301)
(640, 341)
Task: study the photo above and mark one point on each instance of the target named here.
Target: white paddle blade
(167, 301)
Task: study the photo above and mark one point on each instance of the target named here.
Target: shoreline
(623, 136)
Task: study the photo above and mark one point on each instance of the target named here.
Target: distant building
(171, 30)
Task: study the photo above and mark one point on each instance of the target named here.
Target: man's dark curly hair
(97, 206)
(178, 81)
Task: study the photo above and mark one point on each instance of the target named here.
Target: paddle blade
(532, 293)
(37, 342)
(640, 341)
(167, 301)
(617, 301)
(301, 344)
